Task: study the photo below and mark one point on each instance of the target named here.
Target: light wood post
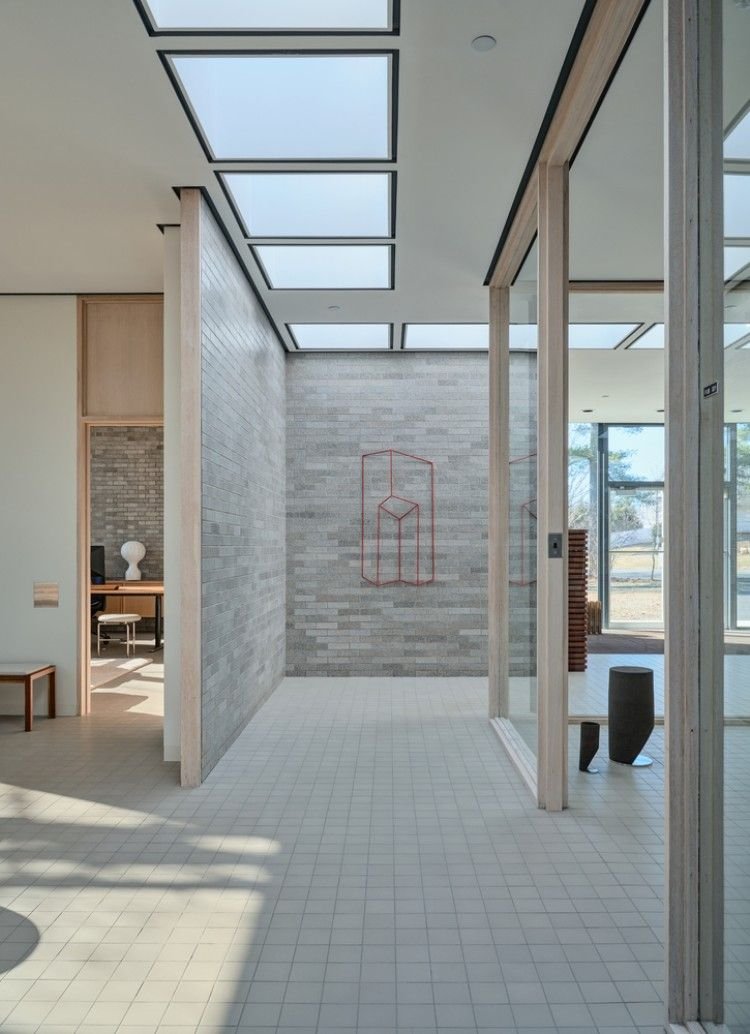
(552, 488)
(499, 513)
(190, 487)
(694, 484)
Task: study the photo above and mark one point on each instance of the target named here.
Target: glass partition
(522, 416)
(737, 519)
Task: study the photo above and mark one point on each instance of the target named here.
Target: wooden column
(190, 487)
(499, 515)
(694, 484)
(552, 488)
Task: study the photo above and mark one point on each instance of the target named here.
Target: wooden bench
(26, 673)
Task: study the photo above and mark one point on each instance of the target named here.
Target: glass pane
(736, 554)
(446, 335)
(523, 336)
(317, 204)
(270, 14)
(598, 335)
(653, 338)
(289, 106)
(734, 332)
(636, 453)
(636, 557)
(522, 488)
(735, 260)
(330, 336)
(326, 266)
(737, 205)
(583, 495)
(737, 144)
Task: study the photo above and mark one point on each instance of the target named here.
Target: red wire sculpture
(398, 507)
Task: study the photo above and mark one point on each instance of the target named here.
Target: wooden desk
(27, 672)
(125, 589)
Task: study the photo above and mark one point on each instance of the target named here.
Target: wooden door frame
(83, 478)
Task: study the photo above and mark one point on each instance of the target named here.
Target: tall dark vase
(631, 713)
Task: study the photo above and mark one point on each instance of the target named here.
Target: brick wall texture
(243, 457)
(127, 495)
(339, 407)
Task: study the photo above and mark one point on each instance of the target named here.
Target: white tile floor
(364, 859)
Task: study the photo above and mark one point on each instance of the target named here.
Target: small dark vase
(589, 745)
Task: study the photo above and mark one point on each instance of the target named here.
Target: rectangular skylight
(446, 336)
(311, 204)
(301, 106)
(598, 335)
(737, 205)
(306, 267)
(737, 143)
(653, 338)
(271, 15)
(330, 337)
(735, 260)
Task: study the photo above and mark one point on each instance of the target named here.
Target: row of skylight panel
(268, 16)
(475, 336)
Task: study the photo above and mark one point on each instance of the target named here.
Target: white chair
(128, 620)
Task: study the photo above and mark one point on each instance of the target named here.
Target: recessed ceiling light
(483, 43)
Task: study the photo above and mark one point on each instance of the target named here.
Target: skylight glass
(269, 15)
(312, 204)
(289, 107)
(737, 143)
(446, 336)
(598, 335)
(653, 338)
(736, 205)
(341, 336)
(735, 260)
(327, 266)
(524, 337)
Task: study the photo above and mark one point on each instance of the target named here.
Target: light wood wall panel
(122, 360)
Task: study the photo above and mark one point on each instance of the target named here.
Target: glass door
(636, 557)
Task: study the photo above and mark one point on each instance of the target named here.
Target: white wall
(38, 489)
(172, 493)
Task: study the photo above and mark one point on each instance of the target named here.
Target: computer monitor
(98, 571)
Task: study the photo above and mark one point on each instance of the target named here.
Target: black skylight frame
(341, 351)
(152, 29)
(165, 56)
(322, 290)
(450, 323)
(254, 239)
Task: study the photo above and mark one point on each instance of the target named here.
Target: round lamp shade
(132, 553)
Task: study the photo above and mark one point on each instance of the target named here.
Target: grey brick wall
(127, 495)
(339, 407)
(244, 548)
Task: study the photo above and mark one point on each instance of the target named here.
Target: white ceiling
(95, 140)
